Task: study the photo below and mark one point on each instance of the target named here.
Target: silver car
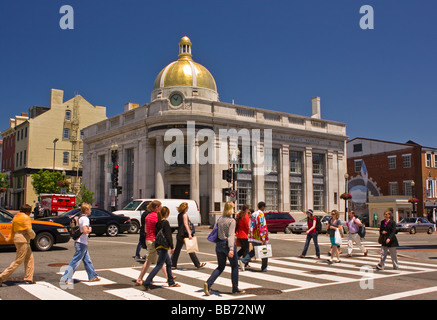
(413, 225)
(301, 226)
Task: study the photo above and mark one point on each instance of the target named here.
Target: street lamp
(414, 202)
(54, 152)
(346, 177)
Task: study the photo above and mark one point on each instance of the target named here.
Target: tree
(4, 182)
(85, 195)
(46, 181)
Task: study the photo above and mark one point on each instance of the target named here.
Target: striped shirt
(226, 230)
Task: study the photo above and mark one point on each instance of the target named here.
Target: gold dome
(185, 72)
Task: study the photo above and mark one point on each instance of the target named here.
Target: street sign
(233, 195)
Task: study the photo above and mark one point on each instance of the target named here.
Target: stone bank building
(303, 167)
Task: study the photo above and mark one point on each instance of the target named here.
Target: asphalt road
(288, 278)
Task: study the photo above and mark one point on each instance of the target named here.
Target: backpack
(362, 231)
(318, 224)
(74, 228)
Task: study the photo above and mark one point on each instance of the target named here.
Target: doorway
(180, 191)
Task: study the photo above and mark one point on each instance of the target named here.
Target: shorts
(333, 241)
(152, 255)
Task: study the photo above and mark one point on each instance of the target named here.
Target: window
(296, 162)
(319, 194)
(428, 160)
(357, 165)
(358, 147)
(318, 164)
(408, 188)
(271, 196)
(244, 193)
(65, 157)
(296, 197)
(66, 134)
(393, 188)
(67, 115)
(391, 162)
(406, 160)
(271, 160)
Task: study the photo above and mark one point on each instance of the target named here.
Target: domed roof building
(178, 145)
(189, 77)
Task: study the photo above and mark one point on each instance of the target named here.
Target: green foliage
(46, 181)
(4, 182)
(85, 195)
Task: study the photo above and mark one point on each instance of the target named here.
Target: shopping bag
(338, 241)
(262, 252)
(191, 245)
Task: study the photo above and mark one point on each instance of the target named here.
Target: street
(288, 278)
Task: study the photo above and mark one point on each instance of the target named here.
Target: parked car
(302, 226)
(101, 221)
(325, 221)
(278, 221)
(135, 208)
(47, 233)
(413, 225)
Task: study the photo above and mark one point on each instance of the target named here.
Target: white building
(303, 164)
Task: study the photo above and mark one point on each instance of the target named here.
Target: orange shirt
(21, 228)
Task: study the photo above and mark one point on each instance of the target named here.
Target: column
(194, 173)
(285, 178)
(308, 182)
(159, 166)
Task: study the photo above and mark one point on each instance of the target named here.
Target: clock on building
(176, 99)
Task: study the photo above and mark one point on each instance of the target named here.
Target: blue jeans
(251, 254)
(163, 257)
(81, 254)
(307, 243)
(141, 244)
(222, 251)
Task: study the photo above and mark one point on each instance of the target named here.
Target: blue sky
(275, 54)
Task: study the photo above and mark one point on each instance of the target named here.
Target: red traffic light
(116, 166)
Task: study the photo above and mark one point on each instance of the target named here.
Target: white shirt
(83, 221)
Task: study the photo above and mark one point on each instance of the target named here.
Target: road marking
(82, 277)
(46, 291)
(405, 294)
(133, 294)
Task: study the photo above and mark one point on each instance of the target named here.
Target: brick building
(397, 172)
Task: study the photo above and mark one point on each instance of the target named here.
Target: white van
(136, 207)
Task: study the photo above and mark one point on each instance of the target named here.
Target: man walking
(22, 233)
(258, 235)
(354, 224)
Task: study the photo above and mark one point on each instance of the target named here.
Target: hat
(310, 211)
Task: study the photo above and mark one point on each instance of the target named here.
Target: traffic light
(115, 175)
(227, 175)
(226, 192)
(119, 189)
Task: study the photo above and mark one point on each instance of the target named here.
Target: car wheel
(43, 241)
(134, 227)
(112, 230)
(287, 230)
(413, 230)
(430, 230)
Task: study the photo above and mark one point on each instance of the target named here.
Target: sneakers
(242, 266)
(379, 267)
(239, 291)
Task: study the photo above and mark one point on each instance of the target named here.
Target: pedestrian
(150, 221)
(353, 225)
(242, 231)
(225, 248)
(162, 246)
(142, 239)
(81, 246)
(258, 235)
(334, 224)
(311, 234)
(21, 233)
(184, 231)
(388, 241)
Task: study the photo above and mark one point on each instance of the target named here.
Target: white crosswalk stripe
(288, 274)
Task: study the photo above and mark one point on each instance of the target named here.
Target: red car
(278, 221)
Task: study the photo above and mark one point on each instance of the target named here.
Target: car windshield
(5, 218)
(69, 213)
(132, 205)
(408, 220)
(304, 220)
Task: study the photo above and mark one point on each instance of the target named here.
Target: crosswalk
(287, 274)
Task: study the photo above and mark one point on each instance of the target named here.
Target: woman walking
(243, 230)
(388, 241)
(225, 248)
(81, 246)
(333, 225)
(184, 231)
(311, 234)
(162, 244)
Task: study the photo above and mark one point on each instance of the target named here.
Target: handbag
(213, 236)
(191, 245)
(264, 251)
(338, 240)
